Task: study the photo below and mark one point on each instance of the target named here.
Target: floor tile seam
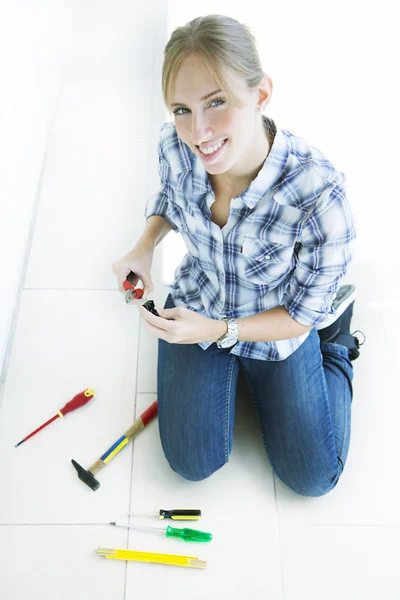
(27, 253)
(85, 524)
(135, 416)
(332, 525)
(279, 536)
(137, 369)
(72, 289)
(282, 526)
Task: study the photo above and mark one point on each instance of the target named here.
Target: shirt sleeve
(157, 204)
(325, 253)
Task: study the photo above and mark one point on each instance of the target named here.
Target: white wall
(334, 69)
(59, 59)
(32, 45)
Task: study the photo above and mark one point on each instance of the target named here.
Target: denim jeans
(303, 405)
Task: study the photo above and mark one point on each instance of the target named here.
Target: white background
(80, 114)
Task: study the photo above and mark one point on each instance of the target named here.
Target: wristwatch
(231, 337)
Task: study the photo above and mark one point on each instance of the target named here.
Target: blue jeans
(303, 405)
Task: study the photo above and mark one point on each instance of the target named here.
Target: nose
(201, 130)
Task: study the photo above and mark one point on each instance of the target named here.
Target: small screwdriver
(177, 514)
(185, 534)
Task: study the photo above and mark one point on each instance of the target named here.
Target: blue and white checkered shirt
(288, 239)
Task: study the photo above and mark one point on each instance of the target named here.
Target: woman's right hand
(138, 260)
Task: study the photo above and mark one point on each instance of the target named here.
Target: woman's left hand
(180, 325)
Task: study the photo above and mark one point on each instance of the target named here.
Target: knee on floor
(193, 470)
(312, 488)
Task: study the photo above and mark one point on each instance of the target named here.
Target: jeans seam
(342, 352)
(330, 409)
(345, 426)
(227, 407)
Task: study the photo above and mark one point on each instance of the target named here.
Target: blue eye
(176, 112)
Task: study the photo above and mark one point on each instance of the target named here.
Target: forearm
(268, 326)
(155, 230)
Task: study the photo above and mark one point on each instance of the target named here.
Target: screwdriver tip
(113, 522)
(19, 443)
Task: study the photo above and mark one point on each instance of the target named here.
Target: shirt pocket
(266, 262)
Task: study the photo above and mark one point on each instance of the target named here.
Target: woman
(269, 234)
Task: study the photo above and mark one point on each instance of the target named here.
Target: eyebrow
(203, 98)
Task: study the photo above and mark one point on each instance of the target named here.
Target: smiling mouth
(216, 151)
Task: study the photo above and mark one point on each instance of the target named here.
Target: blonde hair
(222, 42)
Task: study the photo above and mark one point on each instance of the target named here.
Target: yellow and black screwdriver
(177, 514)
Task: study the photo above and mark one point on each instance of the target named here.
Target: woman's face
(205, 123)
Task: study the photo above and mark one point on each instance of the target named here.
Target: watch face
(228, 342)
(230, 339)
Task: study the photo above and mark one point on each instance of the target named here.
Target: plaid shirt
(288, 239)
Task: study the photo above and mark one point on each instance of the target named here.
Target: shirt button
(268, 256)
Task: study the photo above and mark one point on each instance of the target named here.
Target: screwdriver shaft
(141, 528)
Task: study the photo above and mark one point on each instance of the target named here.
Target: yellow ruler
(153, 557)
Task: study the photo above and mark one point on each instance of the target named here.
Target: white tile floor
(73, 331)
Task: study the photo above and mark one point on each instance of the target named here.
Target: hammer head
(86, 476)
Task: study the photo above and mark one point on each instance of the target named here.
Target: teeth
(212, 149)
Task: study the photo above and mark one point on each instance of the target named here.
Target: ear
(264, 92)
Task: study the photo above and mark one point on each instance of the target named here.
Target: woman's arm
(268, 326)
(155, 230)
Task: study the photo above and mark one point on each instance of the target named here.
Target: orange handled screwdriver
(77, 401)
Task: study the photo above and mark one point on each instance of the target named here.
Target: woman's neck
(236, 184)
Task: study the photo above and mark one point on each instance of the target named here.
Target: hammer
(87, 476)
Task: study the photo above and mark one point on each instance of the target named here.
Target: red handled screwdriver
(77, 401)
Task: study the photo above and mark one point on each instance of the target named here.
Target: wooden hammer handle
(140, 423)
(137, 426)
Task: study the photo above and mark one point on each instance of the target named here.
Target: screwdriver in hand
(185, 534)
